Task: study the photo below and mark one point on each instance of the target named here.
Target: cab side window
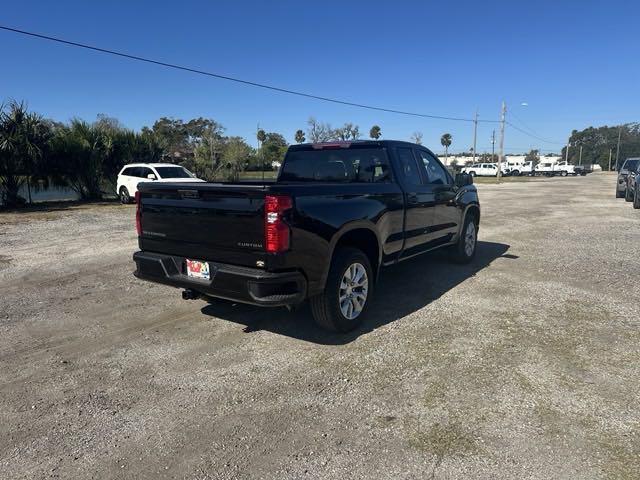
(436, 173)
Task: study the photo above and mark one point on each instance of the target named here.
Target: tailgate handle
(189, 193)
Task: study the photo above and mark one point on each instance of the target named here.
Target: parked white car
(561, 168)
(133, 174)
(567, 168)
(514, 168)
(481, 170)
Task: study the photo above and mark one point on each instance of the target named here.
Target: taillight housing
(138, 214)
(276, 231)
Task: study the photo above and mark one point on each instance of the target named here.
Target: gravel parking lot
(524, 364)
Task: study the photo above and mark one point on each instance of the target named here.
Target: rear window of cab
(342, 165)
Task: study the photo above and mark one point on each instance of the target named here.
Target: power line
(233, 79)
(532, 135)
(524, 125)
(520, 149)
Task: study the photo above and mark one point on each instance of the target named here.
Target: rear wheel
(347, 294)
(515, 173)
(124, 195)
(628, 195)
(563, 173)
(619, 193)
(472, 173)
(465, 248)
(636, 197)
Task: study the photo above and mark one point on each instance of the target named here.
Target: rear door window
(144, 171)
(129, 171)
(408, 166)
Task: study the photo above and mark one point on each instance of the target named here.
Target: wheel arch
(361, 235)
(471, 209)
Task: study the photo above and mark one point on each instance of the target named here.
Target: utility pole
(475, 134)
(493, 144)
(566, 154)
(502, 120)
(618, 148)
(580, 157)
(610, 151)
(261, 159)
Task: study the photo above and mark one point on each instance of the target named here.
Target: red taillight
(276, 231)
(138, 214)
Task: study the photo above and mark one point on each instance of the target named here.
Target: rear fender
(349, 227)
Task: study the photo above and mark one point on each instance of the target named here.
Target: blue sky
(573, 62)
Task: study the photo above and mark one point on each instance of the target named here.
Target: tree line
(600, 143)
(38, 153)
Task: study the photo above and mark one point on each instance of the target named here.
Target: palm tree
(300, 138)
(445, 140)
(23, 136)
(375, 132)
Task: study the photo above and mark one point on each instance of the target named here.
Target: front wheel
(515, 173)
(636, 197)
(619, 194)
(472, 173)
(347, 294)
(464, 249)
(628, 195)
(563, 173)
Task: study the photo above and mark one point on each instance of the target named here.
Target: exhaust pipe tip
(189, 294)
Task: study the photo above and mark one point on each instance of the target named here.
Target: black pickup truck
(336, 214)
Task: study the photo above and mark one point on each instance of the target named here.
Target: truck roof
(348, 143)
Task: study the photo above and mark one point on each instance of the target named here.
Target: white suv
(481, 170)
(133, 174)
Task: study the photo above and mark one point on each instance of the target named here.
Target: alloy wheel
(353, 291)
(470, 239)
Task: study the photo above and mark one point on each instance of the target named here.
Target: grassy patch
(258, 175)
(509, 179)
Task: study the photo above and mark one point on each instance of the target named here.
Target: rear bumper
(231, 282)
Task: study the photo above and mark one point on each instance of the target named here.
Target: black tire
(124, 196)
(563, 173)
(472, 173)
(619, 194)
(326, 306)
(459, 252)
(636, 197)
(515, 173)
(628, 195)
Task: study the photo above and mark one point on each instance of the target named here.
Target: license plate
(198, 269)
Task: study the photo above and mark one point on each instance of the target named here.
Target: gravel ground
(524, 364)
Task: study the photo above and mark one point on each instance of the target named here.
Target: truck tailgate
(208, 221)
